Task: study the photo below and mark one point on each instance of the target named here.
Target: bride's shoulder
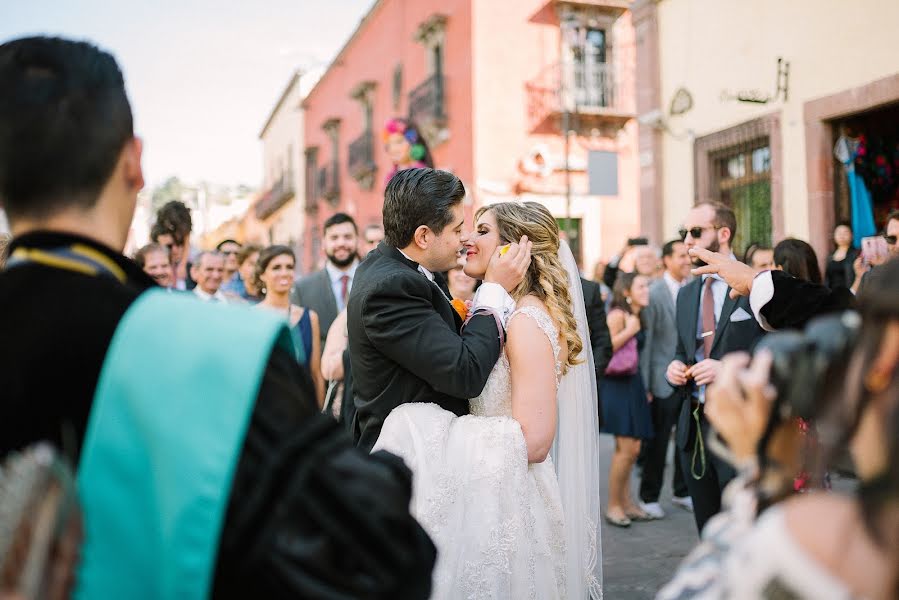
(539, 315)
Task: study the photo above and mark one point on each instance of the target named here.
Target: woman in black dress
(839, 271)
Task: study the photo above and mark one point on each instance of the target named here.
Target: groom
(404, 335)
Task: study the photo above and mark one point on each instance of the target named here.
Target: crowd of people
(243, 443)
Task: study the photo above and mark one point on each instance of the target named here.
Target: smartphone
(874, 250)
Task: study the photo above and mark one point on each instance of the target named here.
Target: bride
(510, 493)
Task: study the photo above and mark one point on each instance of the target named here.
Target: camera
(809, 364)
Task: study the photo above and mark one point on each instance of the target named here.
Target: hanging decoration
(405, 146)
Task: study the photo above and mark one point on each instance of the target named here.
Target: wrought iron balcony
(426, 102)
(361, 163)
(329, 183)
(588, 90)
(276, 197)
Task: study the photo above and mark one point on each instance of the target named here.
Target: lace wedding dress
(496, 520)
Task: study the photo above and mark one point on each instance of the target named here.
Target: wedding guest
(598, 329)
(623, 261)
(710, 325)
(625, 406)
(759, 257)
(336, 372)
(244, 285)
(598, 270)
(154, 260)
(208, 271)
(461, 286)
(372, 235)
(274, 277)
(797, 258)
(172, 231)
(839, 271)
(659, 321)
(326, 291)
(646, 261)
(229, 249)
(821, 545)
(865, 267)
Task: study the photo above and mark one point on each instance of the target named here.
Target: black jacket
(795, 301)
(600, 340)
(405, 344)
(286, 531)
(730, 336)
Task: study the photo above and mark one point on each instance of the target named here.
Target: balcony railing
(588, 89)
(426, 101)
(361, 162)
(276, 197)
(329, 183)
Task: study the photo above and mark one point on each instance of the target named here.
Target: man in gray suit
(326, 291)
(660, 325)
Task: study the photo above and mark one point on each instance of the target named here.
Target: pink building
(492, 84)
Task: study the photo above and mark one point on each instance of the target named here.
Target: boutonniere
(461, 307)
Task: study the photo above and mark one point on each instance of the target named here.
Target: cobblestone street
(638, 560)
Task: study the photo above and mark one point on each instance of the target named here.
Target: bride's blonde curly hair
(546, 278)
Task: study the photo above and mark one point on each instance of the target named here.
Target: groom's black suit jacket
(405, 344)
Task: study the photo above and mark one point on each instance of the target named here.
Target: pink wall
(492, 49)
(384, 40)
(513, 43)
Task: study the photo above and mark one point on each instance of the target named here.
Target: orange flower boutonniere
(460, 307)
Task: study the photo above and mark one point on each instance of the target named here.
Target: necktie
(344, 288)
(708, 317)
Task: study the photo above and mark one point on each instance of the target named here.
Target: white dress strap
(545, 322)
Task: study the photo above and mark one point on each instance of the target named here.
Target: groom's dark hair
(416, 197)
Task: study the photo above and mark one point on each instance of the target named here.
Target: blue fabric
(166, 429)
(302, 338)
(862, 207)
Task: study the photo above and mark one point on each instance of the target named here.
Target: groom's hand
(509, 268)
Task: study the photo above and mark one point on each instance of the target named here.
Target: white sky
(202, 75)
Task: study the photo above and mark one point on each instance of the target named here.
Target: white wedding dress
(496, 520)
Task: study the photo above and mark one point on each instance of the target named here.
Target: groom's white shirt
(489, 296)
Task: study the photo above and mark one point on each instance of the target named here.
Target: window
(570, 229)
(742, 180)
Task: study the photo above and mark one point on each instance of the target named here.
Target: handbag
(625, 360)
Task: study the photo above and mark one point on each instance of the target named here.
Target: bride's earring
(629, 301)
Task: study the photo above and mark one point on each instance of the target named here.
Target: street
(638, 560)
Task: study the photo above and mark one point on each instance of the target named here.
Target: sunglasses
(695, 232)
(890, 239)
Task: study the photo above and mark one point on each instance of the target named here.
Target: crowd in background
(634, 329)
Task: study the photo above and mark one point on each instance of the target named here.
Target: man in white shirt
(208, 271)
(326, 291)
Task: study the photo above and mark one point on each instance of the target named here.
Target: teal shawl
(170, 414)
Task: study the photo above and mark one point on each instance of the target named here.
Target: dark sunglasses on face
(695, 232)
(891, 239)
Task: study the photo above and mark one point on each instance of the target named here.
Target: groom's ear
(423, 237)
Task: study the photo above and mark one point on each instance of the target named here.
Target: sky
(202, 75)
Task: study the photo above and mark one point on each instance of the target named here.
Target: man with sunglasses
(710, 324)
(231, 281)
